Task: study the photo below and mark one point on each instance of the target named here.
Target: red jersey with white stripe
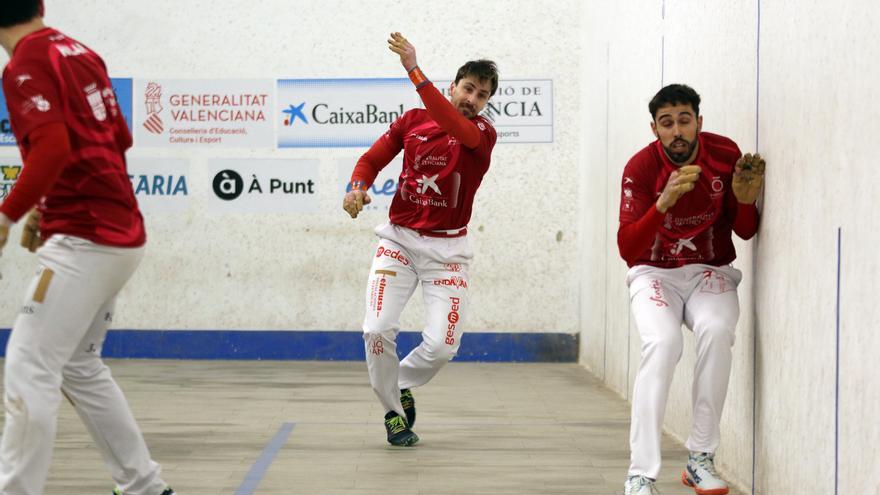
(53, 78)
(440, 176)
(698, 229)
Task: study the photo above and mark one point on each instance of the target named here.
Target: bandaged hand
(748, 177)
(680, 182)
(407, 52)
(30, 234)
(354, 202)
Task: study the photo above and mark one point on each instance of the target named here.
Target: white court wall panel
(812, 110)
(308, 271)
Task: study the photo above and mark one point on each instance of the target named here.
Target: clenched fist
(354, 202)
(30, 234)
(748, 178)
(680, 183)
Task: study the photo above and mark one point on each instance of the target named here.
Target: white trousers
(704, 298)
(403, 259)
(55, 348)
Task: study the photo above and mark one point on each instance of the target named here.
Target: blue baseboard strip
(323, 345)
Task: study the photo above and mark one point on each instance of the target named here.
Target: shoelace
(640, 482)
(396, 424)
(707, 463)
(406, 400)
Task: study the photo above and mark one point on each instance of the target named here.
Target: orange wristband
(357, 185)
(418, 77)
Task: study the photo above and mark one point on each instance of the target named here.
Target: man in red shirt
(72, 137)
(682, 196)
(447, 148)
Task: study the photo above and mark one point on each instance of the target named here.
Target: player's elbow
(51, 141)
(471, 142)
(625, 250)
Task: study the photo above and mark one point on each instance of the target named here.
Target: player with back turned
(89, 237)
(447, 148)
(682, 197)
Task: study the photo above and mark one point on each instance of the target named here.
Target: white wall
(309, 271)
(813, 113)
(815, 121)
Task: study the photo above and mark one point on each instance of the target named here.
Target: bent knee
(442, 350)
(669, 347)
(717, 335)
(387, 334)
(25, 367)
(84, 370)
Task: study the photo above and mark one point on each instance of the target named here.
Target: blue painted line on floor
(837, 371)
(253, 478)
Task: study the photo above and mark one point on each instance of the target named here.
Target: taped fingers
(30, 234)
(745, 162)
(349, 206)
(758, 164)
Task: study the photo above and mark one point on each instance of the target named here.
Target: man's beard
(467, 110)
(682, 156)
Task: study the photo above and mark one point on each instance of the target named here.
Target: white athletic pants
(55, 348)
(704, 298)
(402, 260)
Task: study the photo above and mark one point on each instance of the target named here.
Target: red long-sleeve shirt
(445, 158)
(72, 137)
(698, 228)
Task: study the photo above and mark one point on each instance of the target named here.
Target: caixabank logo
(322, 114)
(339, 112)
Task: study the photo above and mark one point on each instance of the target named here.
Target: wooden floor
(293, 427)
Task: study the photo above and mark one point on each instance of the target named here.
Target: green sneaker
(167, 491)
(399, 433)
(409, 406)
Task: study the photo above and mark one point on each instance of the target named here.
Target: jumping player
(682, 197)
(72, 137)
(447, 148)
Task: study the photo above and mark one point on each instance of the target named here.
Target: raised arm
(439, 108)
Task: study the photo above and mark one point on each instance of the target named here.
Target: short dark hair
(19, 11)
(482, 70)
(674, 94)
